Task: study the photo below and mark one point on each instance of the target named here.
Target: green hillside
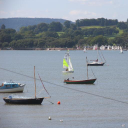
(98, 27)
(67, 34)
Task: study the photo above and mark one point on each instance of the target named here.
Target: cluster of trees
(42, 43)
(108, 31)
(99, 22)
(64, 35)
(43, 27)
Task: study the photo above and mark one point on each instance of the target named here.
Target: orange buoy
(58, 102)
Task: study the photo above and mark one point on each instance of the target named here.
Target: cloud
(74, 12)
(78, 0)
(94, 2)
(79, 12)
(2, 12)
(0, 2)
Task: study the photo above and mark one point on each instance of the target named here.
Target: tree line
(65, 35)
(99, 22)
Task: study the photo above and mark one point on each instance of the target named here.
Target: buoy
(61, 120)
(123, 125)
(58, 102)
(49, 118)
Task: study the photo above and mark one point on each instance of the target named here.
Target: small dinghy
(67, 65)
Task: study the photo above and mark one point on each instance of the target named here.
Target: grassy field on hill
(89, 27)
(110, 37)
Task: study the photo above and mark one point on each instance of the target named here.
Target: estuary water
(102, 105)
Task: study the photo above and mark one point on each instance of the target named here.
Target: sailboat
(67, 65)
(87, 81)
(121, 51)
(85, 49)
(97, 62)
(24, 100)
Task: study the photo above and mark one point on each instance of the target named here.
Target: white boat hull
(19, 89)
(68, 71)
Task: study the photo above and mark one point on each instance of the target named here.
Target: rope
(100, 57)
(92, 72)
(91, 69)
(43, 84)
(103, 56)
(40, 92)
(108, 98)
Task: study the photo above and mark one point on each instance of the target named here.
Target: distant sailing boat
(87, 81)
(121, 51)
(67, 65)
(85, 49)
(96, 62)
(24, 100)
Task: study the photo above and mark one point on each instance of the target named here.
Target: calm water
(77, 109)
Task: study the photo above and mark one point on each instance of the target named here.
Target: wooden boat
(67, 65)
(97, 62)
(24, 100)
(88, 81)
(13, 100)
(7, 87)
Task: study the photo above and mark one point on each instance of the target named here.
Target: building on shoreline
(95, 47)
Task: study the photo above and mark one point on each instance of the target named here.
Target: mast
(68, 60)
(97, 51)
(87, 67)
(35, 81)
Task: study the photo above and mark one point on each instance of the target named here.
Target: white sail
(84, 49)
(67, 63)
(70, 68)
(121, 51)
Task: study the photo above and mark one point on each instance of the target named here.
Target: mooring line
(69, 88)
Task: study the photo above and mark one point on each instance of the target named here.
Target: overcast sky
(65, 9)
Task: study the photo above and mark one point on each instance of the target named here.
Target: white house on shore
(95, 47)
(115, 47)
(107, 47)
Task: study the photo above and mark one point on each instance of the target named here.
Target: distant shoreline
(47, 49)
(55, 49)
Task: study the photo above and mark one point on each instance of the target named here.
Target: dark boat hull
(90, 81)
(23, 101)
(95, 64)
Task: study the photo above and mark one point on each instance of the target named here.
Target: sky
(65, 9)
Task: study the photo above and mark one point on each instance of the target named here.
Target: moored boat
(7, 87)
(87, 81)
(97, 62)
(24, 100)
